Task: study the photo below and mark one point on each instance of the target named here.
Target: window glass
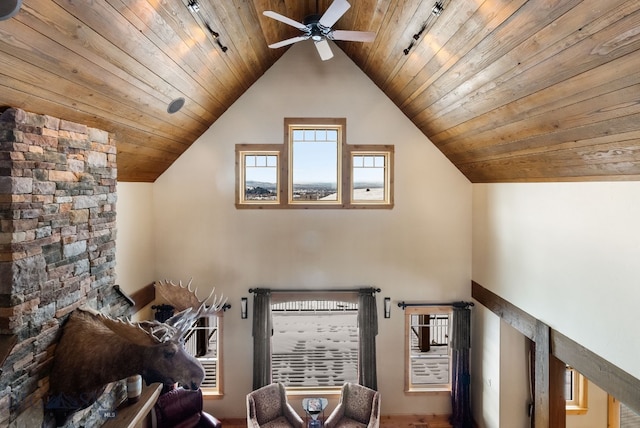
(315, 165)
(315, 343)
(370, 177)
(428, 356)
(203, 342)
(259, 177)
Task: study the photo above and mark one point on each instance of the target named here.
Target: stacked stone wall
(57, 247)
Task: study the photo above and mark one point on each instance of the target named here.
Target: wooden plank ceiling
(508, 90)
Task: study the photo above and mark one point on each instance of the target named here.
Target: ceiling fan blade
(282, 18)
(334, 12)
(353, 36)
(288, 42)
(324, 49)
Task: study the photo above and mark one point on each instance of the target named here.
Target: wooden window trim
(346, 153)
(578, 406)
(267, 149)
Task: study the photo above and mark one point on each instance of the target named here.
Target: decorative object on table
(95, 350)
(134, 388)
(269, 406)
(358, 406)
(313, 407)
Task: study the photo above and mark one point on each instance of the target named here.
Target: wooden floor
(416, 421)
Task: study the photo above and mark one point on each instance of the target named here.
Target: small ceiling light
(9, 8)
(175, 105)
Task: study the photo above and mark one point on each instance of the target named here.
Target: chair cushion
(358, 404)
(280, 422)
(268, 404)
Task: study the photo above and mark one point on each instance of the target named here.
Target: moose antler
(185, 300)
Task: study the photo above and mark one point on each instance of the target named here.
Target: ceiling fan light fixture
(318, 28)
(9, 8)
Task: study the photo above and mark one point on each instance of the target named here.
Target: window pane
(428, 361)
(315, 167)
(369, 178)
(315, 343)
(202, 342)
(261, 178)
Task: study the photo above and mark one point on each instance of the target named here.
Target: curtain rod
(319, 290)
(460, 304)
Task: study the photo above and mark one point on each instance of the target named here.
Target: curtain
(367, 331)
(461, 377)
(262, 332)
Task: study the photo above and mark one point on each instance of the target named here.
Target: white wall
(566, 253)
(596, 415)
(135, 250)
(515, 395)
(485, 367)
(420, 250)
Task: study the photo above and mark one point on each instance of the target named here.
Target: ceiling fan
(318, 28)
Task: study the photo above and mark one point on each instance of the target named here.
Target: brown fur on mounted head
(95, 350)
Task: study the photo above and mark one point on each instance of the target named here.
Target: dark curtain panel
(262, 331)
(461, 377)
(368, 330)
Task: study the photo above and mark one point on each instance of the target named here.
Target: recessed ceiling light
(175, 105)
(8, 8)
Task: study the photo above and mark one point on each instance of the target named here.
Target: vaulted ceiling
(508, 90)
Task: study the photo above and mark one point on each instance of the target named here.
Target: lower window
(427, 350)
(203, 342)
(314, 343)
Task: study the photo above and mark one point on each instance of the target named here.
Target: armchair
(182, 408)
(268, 407)
(359, 406)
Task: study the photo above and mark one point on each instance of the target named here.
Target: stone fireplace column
(57, 246)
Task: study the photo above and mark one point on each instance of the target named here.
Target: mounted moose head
(95, 350)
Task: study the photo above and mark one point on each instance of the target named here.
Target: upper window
(428, 357)
(314, 168)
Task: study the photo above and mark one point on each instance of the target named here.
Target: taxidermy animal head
(95, 350)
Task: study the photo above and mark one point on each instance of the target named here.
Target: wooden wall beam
(615, 381)
(557, 400)
(541, 408)
(511, 314)
(143, 296)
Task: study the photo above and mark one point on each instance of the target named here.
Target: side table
(313, 407)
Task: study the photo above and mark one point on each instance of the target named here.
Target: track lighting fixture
(194, 7)
(215, 36)
(436, 10)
